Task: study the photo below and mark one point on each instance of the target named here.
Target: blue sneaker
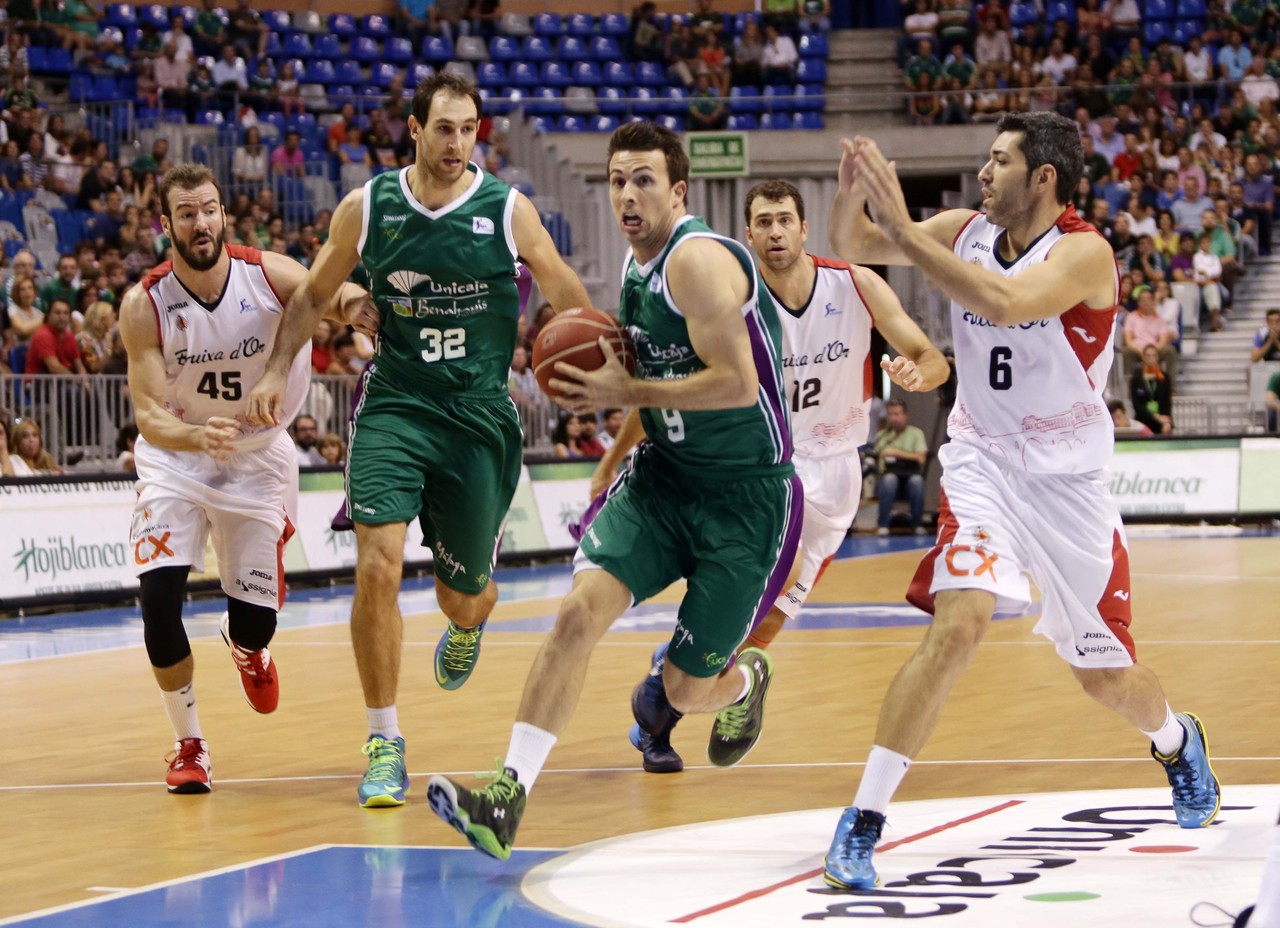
(649, 699)
(385, 781)
(456, 654)
(1196, 793)
(659, 755)
(848, 861)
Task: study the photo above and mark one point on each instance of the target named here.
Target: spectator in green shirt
(209, 33)
(157, 161)
(65, 286)
(901, 450)
(923, 62)
(706, 106)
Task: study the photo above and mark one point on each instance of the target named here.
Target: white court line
(813, 765)
(489, 642)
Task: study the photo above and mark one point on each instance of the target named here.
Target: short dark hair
(1273, 312)
(445, 82)
(775, 191)
(899, 403)
(1052, 139)
(649, 136)
(185, 177)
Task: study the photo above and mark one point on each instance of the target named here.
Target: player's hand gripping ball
(573, 336)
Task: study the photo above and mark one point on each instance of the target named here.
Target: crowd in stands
(1180, 130)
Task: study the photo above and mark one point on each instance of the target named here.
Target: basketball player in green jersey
(710, 496)
(436, 436)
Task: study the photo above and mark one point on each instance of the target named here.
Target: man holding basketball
(436, 436)
(827, 309)
(1024, 491)
(709, 496)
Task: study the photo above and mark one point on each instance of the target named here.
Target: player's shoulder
(946, 225)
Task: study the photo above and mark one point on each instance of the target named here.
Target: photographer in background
(901, 450)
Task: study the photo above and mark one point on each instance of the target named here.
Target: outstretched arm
(919, 366)
(557, 281)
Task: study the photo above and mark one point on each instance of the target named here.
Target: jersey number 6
(1001, 372)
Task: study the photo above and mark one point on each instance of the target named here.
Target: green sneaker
(456, 654)
(737, 727)
(386, 781)
(488, 817)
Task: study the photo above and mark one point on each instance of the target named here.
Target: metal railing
(80, 417)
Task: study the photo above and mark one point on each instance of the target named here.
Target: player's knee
(1103, 684)
(958, 631)
(161, 593)
(379, 568)
(466, 609)
(251, 625)
(577, 626)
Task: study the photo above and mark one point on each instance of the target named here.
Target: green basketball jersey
(444, 282)
(721, 442)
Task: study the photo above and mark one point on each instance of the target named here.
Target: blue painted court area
(383, 887)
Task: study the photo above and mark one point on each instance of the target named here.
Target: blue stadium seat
(1184, 29)
(605, 48)
(558, 227)
(768, 121)
(811, 71)
(59, 60)
(398, 50)
(437, 49)
(188, 14)
(504, 48)
(614, 24)
(376, 27)
(418, 73)
(364, 49)
(555, 74)
(609, 100)
(1190, 9)
(507, 99)
(132, 36)
(807, 119)
(741, 122)
(776, 98)
(342, 25)
(810, 97)
(38, 59)
(586, 74)
(298, 45)
(105, 89)
(570, 123)
(79, 87)
(548, 25)
(348, 72)
(618, 74)
(384, 72)
(491, 74)
(541, 125)
(210, 118)
(581, 25)
(814, 45)
(1157, 9)
(741, 19)
(650, 74)
(538, 48)
(122, 15)
(277, 21)
(340, 94)
(306, 125)
(326, 46)
(546, 101)
(319, 71)
(674, 123)
(523, 74)
(1060, 9)
(275, 48)
(675, 100)
(154, 15)
(603, 123)
(744, 99)
(646, 101)
(574, 48)
(1154, 31)
(1023, 13)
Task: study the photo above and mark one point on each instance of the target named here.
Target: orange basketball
(572, 336)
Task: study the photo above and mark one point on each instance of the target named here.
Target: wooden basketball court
(84, 810)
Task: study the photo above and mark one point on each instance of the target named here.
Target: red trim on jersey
(254, 256)
(918, 592)
(283, 540)
(822, 570)
(153, 277)
(963, 227)
(868, 373)
(1087, 330)
(1115, 606)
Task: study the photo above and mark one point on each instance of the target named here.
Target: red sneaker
(189, 768)
(259, 677)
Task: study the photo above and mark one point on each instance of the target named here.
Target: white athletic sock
(885, 770)
(1266, 913)
(180, 706)
(528, 752)
(1168, 737)
(746, 684)
(384, 722)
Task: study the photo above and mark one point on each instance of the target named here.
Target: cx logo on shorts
(159, 546)
(986, 559)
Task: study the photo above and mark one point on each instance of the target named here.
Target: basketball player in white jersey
(1034, 292)
(198, 331)
(827, 309)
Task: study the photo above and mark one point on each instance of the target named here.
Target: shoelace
(385, 757)
(460, 647)
(1184, 776)
(732, 719)
(251, 664)
(187, 755)
(859, 843)
(501, 788)
(1220, 912)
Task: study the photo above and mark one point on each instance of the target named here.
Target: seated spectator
(591, 445)
(208, 34)
(321, 355)
(288, 93)
(343, 351)
(412, 20)
(1257, 85)
(173, 77)
(989, 102)
(249, 162)
(646, 40)
(1125, 428)
(748, 51)
(992, 49)
(707, 109)
(1097, 168)
(1058, 64)
(247, 30)
(13, 176)
(288, 160)
(959, 67)
(1188, 212)
(1234, 58)
(1129, 161)
(1258, 198)
(6, 462)
(781, 14)
(337, 132)
(901, 451)
(305, 435)
(126, 440)
(1125, 18)
(448, 18)
(922, 62)
(377, 139)
(1266, 341)
(715, 62)
(779, 57)
(922, 23)
(1167, 237)
(1207, 275)
(1169, 309)
(229, 72)
(815, 15)
(706, 21)
(568, 437)
(613, 419)
(1145, 328)
(332, 449)
(682, 55)
(1151, 393)
(25, 317)
(92, 339)
(27, 454)
(926, 106)
(521, 383)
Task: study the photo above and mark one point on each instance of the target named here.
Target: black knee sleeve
(162, 590)
(251, 625)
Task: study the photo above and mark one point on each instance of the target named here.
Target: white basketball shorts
(832, 490)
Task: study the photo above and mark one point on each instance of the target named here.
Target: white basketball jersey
(826, 364)
(1031, 394)
(214, 354)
